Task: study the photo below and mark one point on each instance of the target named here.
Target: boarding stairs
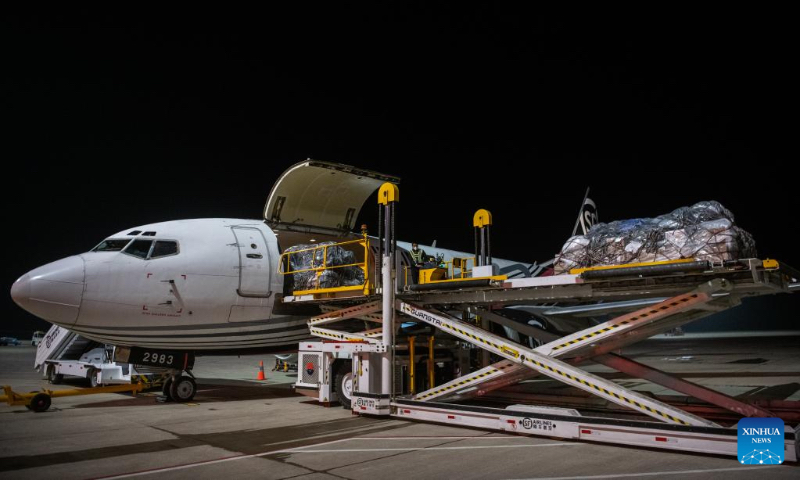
(61, 344)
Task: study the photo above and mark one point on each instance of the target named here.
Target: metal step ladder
(61, 344)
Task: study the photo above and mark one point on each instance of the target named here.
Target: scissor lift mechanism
(692, 291)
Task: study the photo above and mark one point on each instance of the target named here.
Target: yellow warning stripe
(577, 271)
(607, 392)
(572, 377)
(482, 340)
(337, 336)
(461, 383)
(338, 314)
(654, 311)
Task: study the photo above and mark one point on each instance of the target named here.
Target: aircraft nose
(52, 292)
(21, 290)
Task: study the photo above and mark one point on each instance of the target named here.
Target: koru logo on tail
(588, 215)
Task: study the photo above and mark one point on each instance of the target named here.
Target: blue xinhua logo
(761, 441)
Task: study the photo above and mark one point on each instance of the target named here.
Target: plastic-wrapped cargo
(305, 280)
(311, 256)
(704, 231)
(300, 258)
(351, 276)
(329, 279)
(335, 255)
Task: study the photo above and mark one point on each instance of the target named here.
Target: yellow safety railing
(462, 264)
(286, 266)
(457, 263)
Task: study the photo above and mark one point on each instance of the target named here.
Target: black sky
(115, 119)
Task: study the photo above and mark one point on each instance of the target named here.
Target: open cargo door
(313, 195)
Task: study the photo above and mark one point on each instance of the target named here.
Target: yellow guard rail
(286, 267)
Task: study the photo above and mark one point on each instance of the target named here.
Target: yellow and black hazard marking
(143, 379)
(334, 335)
(345, 313)
(322, 319)
(570, 375)
(511, 351)
(675, 303)
(606, 391)
(467, 380)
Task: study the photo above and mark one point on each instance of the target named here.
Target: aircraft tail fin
(587, 216)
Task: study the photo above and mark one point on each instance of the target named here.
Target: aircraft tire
(182, 389)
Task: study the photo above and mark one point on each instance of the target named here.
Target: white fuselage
(213, 290)
(216, 293)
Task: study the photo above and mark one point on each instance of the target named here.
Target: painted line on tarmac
(233, 457)
(333, 433)
(304, 450)
(411, 449)
(443, 437)
(650, 474)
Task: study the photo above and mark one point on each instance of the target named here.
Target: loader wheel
(182, 389)
(53, 377)
(343, 383)
(91, 376)
(40, 402)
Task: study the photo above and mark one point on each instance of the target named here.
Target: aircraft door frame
(255, 266)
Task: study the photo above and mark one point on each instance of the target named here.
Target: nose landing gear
(179, 388)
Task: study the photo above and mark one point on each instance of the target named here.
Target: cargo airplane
(166, 291)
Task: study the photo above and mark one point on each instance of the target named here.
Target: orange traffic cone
(261, 371)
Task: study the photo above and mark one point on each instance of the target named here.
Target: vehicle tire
(343, 384)
(28, 406)
(91, 376)
(40, 402)
(53, 377)
(182, 389)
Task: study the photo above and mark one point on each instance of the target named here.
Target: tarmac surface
(241, 428)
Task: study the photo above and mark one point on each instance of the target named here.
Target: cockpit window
(111, 245)
(134, 233)
(149, 234)
(139, 248)
(164, 248)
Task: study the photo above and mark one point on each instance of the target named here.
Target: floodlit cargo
(306, 259)
(704, 231)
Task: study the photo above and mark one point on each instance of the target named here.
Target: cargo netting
(704, 231)
(311, 257)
